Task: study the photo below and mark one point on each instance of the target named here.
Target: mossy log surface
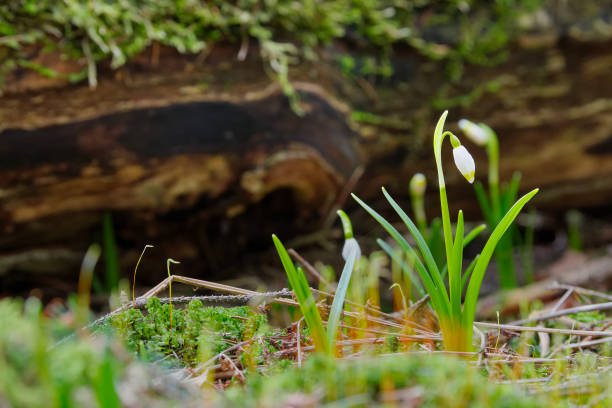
(203, 156)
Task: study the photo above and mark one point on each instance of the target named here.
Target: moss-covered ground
(232, 357)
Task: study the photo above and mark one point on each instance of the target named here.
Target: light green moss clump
(116, 30)
(196, 326)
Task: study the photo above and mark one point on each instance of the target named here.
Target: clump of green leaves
(323, 339)
(150, 334)
(455, 319)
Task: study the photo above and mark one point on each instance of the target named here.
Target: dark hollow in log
(205, 181)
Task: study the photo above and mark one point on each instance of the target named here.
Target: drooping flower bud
(474, 132)
(464, 162)
(350, 245)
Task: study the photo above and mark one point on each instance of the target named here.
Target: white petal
(464, 162)
(474, 132)
(349, 246)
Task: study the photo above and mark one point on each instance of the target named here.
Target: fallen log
(204, 157)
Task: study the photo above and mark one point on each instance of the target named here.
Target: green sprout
(168, 262)
(324, 341)
(498, 200)
(575, 224)
(136, 270)
(418, 185)
(455, 320)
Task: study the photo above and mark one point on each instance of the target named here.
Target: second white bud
(474, 132)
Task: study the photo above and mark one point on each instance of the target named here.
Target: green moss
(455, 31)
(151, 336)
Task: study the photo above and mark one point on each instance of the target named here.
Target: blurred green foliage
(425, 381)
(456, 31)
(35, 373)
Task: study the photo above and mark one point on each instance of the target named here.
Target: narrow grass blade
(339, 296)
(436, 243)
(298, 283)
(454, 278)
(510, 193)
(471, 297)
(483, 201)
(439, 296)
(468, 272)
(111, 258)
(469, 238)
(104, 383)
(403, 265)
(527, 250)
(473, 234)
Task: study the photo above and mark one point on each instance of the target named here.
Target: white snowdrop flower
(464, 162)
(474, 132)
(418, 184)
(350, 245)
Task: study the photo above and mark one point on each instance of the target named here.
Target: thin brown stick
(584, 291)
(307, 266)
(563, 299)
(564, 312)
(584, 333)
(398, 335)
(585, 343)
(213, 286)
(298, 343)
(604, 327)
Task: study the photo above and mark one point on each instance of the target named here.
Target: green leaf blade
(439, 296)
(421, 243)
(299, 284)
(339, 296)
(471, 297)
(454, 277)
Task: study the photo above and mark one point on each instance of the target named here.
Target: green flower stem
(504, 251)
(493, 153)
(504, 254)
(418, 207)
(438, 139)
(454, 275)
